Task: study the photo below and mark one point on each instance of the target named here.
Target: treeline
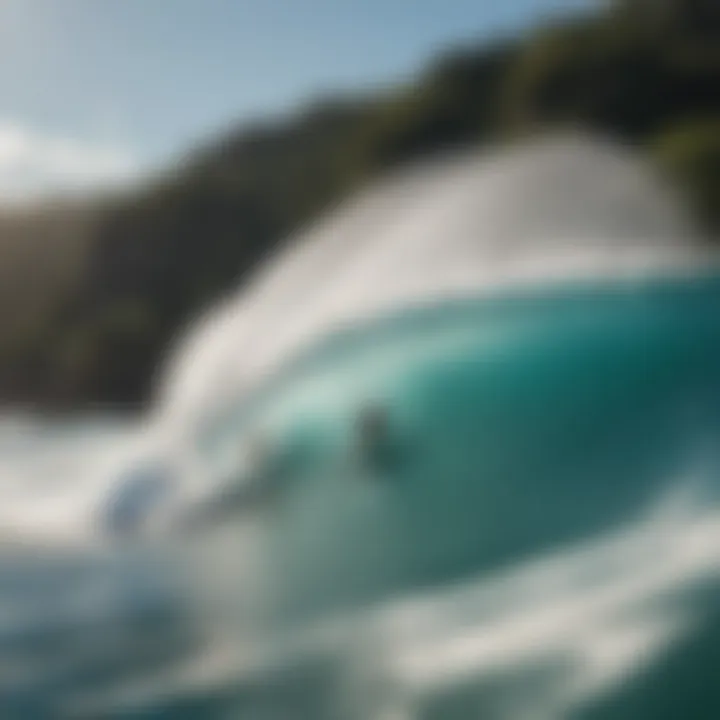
(90, 296)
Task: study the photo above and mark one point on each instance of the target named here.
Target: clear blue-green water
(535, 533)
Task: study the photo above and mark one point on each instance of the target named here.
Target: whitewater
(559, 287)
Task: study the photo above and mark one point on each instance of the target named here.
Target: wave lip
(566, 208)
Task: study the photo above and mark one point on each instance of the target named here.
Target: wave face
(454, 228)
(452, 455)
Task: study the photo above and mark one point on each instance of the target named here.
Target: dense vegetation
(90, 296)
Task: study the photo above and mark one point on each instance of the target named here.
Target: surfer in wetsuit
(373, 436)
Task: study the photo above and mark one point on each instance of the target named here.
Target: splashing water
(528, 529)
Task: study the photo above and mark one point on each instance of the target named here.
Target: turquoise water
(515, 425)
(533, 532)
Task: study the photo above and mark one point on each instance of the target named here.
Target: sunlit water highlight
(552, 310)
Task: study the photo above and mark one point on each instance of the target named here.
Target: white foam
(562, 209)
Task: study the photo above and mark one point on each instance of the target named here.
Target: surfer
(373, 436)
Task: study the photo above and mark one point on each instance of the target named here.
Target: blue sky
(97, 90)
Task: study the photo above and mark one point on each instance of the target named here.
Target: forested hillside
(90, 295)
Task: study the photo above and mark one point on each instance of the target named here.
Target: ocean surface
(529, 529)
(542, 579)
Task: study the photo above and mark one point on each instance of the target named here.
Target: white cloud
(35, 165)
